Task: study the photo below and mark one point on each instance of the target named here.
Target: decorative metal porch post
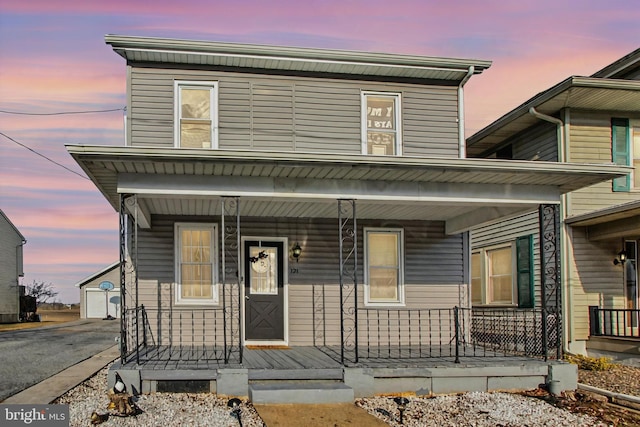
(549, 219)
(348, 236)
(230, 254)
(128, 260)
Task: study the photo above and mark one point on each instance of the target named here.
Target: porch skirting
(313, 368)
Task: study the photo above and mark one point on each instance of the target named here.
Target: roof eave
(94, 275)
(549, 94)
(123, 44)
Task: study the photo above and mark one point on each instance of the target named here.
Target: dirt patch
(47, 317)
(587, 403)
(619, 379)
(344, 414)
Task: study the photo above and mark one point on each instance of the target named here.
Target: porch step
(296, 374)
(300, 392)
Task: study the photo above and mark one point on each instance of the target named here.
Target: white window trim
(401, 300)
(214, 300)
(484, 275)
(363, 119)
(177, 84)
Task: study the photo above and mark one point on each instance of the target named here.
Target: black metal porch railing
(182, 335)
(487, 332)
(614, 322)
(454, 332)
(197, 335)
(406, 333)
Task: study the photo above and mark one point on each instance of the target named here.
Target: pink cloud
(512, 81)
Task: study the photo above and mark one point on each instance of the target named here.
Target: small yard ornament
(402, 405)
(234, 404)
(120, 401)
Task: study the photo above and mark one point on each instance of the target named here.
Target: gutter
(559, 126)
(462, 152)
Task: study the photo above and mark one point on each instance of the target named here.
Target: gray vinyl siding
(283, 113)
(537, 143)
(508, 231)
(594, 279)
(590, 142)
(9, 267)
(433, 269)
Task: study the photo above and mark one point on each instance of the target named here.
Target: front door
(264, 290)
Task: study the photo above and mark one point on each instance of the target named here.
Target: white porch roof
(462, 192)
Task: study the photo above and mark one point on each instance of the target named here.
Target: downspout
(462, 145)
(559, 126)
(568, 332)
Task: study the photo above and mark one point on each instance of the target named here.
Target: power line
(21, 113)
(43, 156)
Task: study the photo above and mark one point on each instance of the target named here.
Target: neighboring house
(277, 197)
(11, 268)
(100, 293)
(592, 119)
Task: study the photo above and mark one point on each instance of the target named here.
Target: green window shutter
(620, 152)
(524, 255)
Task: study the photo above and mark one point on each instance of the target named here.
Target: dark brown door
(264, 290)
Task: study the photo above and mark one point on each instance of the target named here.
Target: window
(381, 124)
(620, 151)
(196, 115)
(500, 276)
(383, 266)
(503, 275)
(196, 269)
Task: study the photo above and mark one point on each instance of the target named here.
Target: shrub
(590, 363)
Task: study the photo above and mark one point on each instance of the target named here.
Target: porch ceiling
(615, 222)
(463, 192)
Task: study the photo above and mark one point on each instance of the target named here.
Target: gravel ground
(469, 409)
(158, 409)
(475, 409)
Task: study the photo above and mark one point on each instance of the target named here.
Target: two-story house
(592, 119)
(11, 269)
(284, 199)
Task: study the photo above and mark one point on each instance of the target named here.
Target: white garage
(100, 293)
(99, 301)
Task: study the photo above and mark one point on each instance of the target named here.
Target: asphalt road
(29, 356)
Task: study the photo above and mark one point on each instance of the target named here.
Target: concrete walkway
(321, 415)
(52, 388)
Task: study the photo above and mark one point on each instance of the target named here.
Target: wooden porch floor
(317, 358)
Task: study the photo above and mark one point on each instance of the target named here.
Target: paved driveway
(29, 356)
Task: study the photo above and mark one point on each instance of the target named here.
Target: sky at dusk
(53, 59)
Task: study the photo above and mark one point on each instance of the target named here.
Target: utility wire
(43, 156)
(62, 112)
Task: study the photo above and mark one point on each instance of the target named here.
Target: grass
(47, 317)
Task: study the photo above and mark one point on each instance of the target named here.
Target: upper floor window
(383, 266)
(381, 124)
(503, 275)
(196, 263)
(196, 115)
(621, 151)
